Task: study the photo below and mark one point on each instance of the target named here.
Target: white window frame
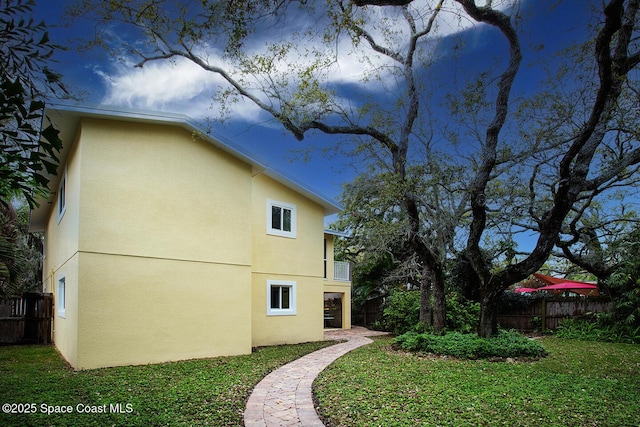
(61, 296)
(326, 261)
(279, 232)
(292, 310)
(62, 196)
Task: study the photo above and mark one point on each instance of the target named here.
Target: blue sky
(104, 81)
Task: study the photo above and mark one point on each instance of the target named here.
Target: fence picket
(551, 311)
(26, 319)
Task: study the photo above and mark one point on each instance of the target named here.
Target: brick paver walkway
(283, 398)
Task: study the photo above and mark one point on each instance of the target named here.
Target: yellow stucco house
(163, 243)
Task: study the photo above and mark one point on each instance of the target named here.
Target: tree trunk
(425, 300)
(488, 325)
(439, 303)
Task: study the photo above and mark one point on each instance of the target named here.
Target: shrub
(377, 326)
(462, 315)
(510, 344)
(600, 328)
(471, 346)
(401, 312)
(512, 301)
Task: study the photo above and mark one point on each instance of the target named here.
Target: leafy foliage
(624, 284)
(27, 154)
(623, 324)
(513, 301)
(471, 346)
(462, 314)
(368, 278)
(402, 309)
(600, 328)
(20, 252)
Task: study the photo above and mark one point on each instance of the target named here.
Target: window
(325, 258)
(281, 219)
(281, 298)
(61, 300)
(62, 196)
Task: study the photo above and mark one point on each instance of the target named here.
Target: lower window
(281, 298)
(61, 297)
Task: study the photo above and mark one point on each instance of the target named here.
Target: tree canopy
(29, 153)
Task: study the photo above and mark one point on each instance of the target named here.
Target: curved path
(284, 397)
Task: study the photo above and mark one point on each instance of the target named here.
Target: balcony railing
(341, 271)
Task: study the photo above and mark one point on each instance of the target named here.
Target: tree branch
(489, 152)
(361, 3)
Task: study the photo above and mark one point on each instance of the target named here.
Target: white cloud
(182, 86)
(178, 86)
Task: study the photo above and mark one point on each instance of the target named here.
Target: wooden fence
(26, 319)
(368, 314)
(549, 313)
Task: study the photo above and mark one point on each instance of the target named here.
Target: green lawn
(191, 393)
(578, 384)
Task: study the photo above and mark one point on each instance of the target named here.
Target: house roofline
(66, 119)
(337, 233)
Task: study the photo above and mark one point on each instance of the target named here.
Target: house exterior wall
(287, 259)
(154, 191)
(150, 310)
(335, 286)
(61, 257)
(162, 228)
(166, 249)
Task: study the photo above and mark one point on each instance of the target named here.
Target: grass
(579, 384)
(195, 392)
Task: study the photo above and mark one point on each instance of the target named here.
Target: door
(333, 310)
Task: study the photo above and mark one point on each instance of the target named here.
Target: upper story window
(281, 219)
(62, 196)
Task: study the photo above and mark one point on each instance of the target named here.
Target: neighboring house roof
(66, 118)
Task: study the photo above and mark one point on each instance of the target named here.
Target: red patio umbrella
(579, 288)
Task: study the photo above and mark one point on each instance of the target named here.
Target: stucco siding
(157, 191)
(143, 310)
(65, 326)
(158, 225)
(305, 326)
(61, 232)
(61, 256)
(301, 255)
(296, 260)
